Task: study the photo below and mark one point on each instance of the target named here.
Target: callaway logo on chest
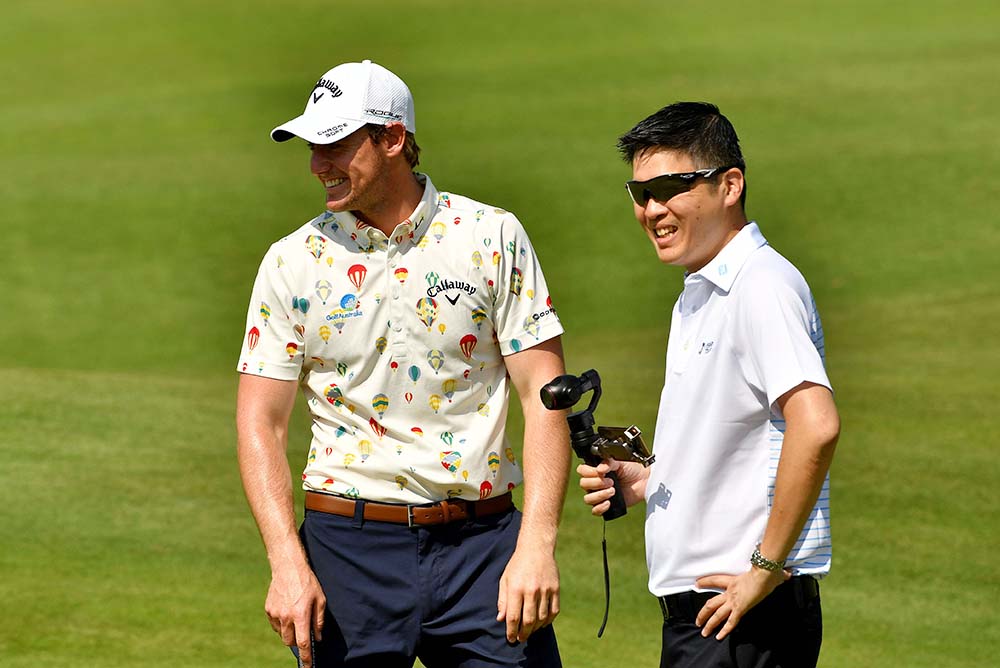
(443, 286)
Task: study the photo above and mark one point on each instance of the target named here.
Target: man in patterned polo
(402, 311)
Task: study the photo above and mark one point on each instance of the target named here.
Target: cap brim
(316, 131)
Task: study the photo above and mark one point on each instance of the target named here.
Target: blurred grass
(139, 191)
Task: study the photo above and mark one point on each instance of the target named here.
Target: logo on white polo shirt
(549, 311)
(706, 347)
(658, 500)
(350, 307)
(450, 289)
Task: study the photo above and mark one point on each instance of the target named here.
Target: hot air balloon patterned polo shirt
(398, 345)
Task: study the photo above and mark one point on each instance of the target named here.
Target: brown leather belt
(452, 510)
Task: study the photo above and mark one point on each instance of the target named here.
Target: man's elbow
(826, 434)
(809, 409)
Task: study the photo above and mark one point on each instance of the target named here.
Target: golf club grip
(618, 507)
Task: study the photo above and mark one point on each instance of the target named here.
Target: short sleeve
(273, 341)
(783, 335)
(524, 312)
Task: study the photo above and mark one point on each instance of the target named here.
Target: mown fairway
(139, 190)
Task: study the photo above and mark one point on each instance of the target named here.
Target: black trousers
(784, 630)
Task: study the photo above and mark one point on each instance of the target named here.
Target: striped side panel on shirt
(813, 549)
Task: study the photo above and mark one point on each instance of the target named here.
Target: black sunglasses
(663, 187)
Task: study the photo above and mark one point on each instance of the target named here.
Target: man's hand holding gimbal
(632, 479)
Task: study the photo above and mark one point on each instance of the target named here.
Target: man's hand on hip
(742, 592)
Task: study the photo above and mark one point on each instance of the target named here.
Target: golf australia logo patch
(350, 307)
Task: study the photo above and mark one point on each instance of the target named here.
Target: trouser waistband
(684, 606)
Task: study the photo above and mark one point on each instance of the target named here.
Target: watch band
(760, 561)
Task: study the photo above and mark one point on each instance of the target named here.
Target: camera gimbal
(592, 447)
(623, 444)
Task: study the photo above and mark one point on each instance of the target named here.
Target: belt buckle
(409, 517)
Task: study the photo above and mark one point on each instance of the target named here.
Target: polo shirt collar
(412, 227)
(724, 267)
(418, 221)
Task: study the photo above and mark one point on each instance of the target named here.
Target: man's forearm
(546, 456)
(810, 440)
(262, 413)
(796, 489)
(267, 484)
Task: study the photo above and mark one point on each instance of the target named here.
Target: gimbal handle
(582, 437)
(563, 392)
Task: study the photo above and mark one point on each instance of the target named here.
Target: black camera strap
(607, 578)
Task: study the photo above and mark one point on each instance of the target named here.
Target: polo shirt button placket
(390, 264)
(397, 338)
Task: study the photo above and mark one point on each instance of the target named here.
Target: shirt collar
(411, 228)
(723, 268)
(418, 221)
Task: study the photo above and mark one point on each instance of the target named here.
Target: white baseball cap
(345, 99)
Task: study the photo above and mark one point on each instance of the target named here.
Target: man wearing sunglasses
(737, 502)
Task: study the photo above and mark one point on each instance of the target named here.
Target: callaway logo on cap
(346, 98)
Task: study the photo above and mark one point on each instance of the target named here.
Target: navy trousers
(396, 593)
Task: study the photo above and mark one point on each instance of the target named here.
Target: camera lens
(548, 398)
(561, 392)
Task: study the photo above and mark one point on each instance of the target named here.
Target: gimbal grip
(618, 506)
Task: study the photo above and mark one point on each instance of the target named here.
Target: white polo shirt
(398, 346)
(743, 332)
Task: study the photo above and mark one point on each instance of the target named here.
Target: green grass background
(139, 189)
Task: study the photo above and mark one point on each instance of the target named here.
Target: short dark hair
(696, 128)
(410, 149)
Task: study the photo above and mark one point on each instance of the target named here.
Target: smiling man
(737, 502)
(404, 313)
